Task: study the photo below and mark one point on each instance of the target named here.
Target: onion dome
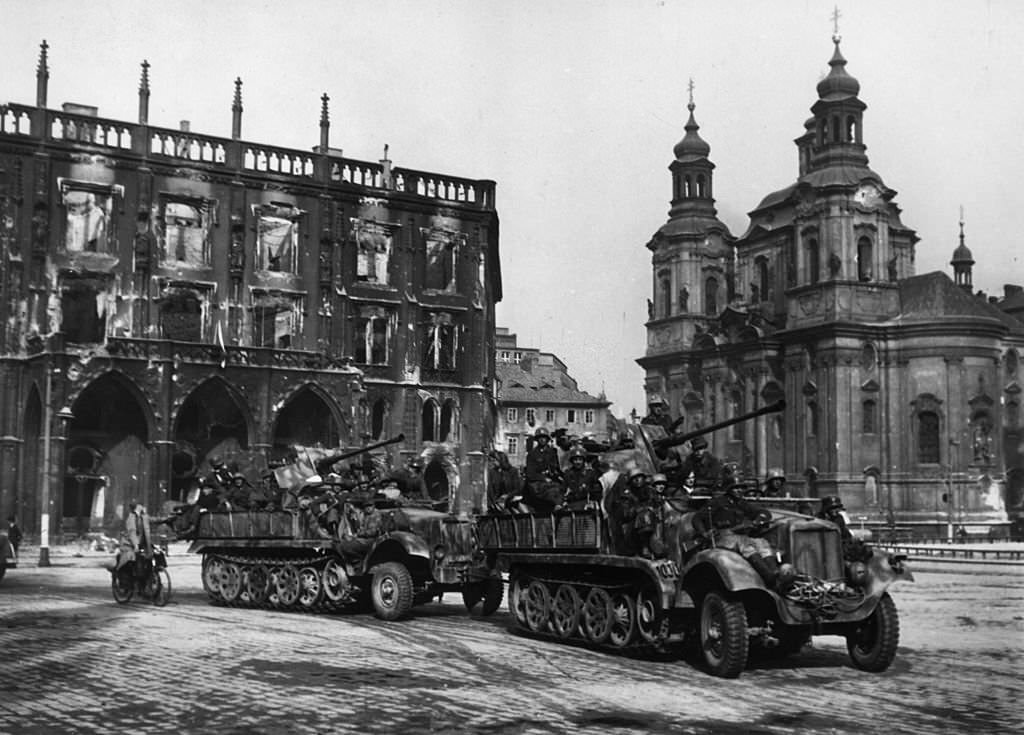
(962, 255)
(692, 145)
(838, 84)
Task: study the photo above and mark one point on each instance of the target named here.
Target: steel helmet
(776, 473)
(659, 479)
(541, 432)
(831, 502)
(636, 472)
(656, 400)
(577, 451)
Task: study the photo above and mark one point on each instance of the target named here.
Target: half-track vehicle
(568, 581)
(291, 559)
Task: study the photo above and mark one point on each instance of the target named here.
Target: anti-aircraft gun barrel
(660, 445)
(325, 462)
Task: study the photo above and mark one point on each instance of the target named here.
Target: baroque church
(902, 390)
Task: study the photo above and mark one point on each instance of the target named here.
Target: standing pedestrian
(14, 534)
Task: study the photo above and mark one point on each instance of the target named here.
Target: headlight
(439, 553)
(857, 574)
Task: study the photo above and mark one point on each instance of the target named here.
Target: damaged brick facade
(187, 296)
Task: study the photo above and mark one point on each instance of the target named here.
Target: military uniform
(543, 489)
(581, 487)
(732, 522)
(854, 549)
(707, 470)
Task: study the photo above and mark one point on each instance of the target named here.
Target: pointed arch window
(378, 418)
(711, 296)
(429, 420)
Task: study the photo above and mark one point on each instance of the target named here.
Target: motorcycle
(153, 585)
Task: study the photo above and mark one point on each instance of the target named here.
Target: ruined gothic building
(168, 296)
(902, 390)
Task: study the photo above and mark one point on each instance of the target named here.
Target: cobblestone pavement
(76, 662)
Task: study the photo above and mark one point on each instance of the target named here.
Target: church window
(429, 420)
(88, 213)
(701, 186)
(687, 187)
(378, 418)
(764, 279)
(374, 244)
(812, 418)
(869, 416)
(183, 232)
(928, 437)
(666, 296)
(711, 296)
(813, 261)
(449, 421)
(1011, 364)
(851, 129)
(442, 258)
(865, 253)
(835, 129)
(822, 131)
(441, 342)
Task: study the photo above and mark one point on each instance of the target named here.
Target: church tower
(691, 261)
(962, 261)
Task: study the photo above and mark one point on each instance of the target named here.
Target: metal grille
(817, 552)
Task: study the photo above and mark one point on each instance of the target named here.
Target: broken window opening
(182, 315)
(442, 257)
(441, 341)
(184, 234)
(276, 321)
(373, 251)
(83, 311)
(88, 220)
(373, 337)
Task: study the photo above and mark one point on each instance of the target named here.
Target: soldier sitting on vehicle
(582, 487)
(707, 469)
(730, 521)
(774, 483)
(854, 549)
(543, 492)
(623, 504)
(363, 524)
(658, 415)
(409, 479)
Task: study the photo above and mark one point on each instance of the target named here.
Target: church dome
(838, 84)
(962, 255)
(692, 145)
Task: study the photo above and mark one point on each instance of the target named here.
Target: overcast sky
(573, 109)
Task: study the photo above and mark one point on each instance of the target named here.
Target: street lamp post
(46, 479)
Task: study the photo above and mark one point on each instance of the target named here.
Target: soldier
(364, 525)
(774, 483)
(543, 475)
(582, 488)
(221, 474)
(410, 480)
(854, 549)
(732, 522)
(622, 503)
(658, 415)
(706, 467)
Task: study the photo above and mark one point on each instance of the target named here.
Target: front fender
(883, 571)
(733, 570)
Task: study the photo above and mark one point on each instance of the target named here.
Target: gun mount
(659, 446)
(324, 463)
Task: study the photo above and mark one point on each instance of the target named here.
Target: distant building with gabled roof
(535, 390)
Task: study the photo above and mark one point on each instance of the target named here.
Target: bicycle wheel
(122, 585)
(163, 588)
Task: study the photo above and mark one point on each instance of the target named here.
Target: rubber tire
(516, 592)
(391, 591)
(726, 655)
(163, 593)
(122, 595)
(873, 643)
(472, 594)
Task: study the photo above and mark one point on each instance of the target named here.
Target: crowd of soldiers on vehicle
(343, 504)
(567, 473)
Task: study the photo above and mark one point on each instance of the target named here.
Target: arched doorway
(107, 460)
(212, 421)
(309, 420)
